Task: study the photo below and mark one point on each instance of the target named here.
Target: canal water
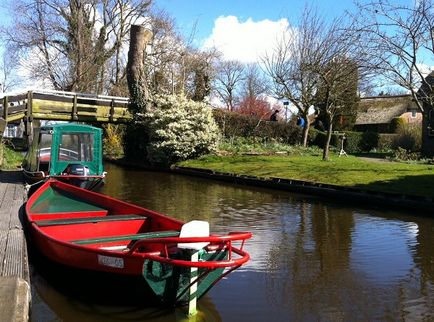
(312, 259)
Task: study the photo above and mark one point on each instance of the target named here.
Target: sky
(242, 29)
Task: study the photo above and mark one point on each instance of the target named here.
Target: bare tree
(289, 66)
(200, 73)
(228, 80)
(8, 77)
(337, 91)
(399, 44)
(164, 63)
(71, 41)
(254, 83)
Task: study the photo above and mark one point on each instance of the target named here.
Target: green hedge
(234, 124)
(355, 142)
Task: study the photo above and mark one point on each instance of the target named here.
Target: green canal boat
(69, 152)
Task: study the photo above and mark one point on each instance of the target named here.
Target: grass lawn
(11, 159)
(411, 179)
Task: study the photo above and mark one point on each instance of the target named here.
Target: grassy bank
(411, 179)
(11, 159)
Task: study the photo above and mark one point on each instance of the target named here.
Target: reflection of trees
(306, 247)
(189, 198)
(423, 254)
(311, 262)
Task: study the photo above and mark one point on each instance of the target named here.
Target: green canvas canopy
(74, 144)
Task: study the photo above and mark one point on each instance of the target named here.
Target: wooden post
(112, 111)
(5, 108)
(192, 301)
(74, 115)
(28, 120)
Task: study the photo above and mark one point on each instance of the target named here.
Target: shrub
(385, 142)
(178, 129)
(355, 141)
(369, 141)
(396, 124)
(234, 124)
(136, 140)
(409, 138)
(113, 140)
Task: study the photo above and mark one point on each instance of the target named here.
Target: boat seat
(153, 234)
(85, 220)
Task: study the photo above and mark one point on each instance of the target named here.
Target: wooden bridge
(62, 106)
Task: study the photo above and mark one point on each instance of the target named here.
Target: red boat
(91, 231)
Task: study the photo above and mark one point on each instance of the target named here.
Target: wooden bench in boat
(153, 234)
(85, 220)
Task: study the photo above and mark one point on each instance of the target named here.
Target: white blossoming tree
(179, 128)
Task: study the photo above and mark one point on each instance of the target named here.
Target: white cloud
(245, 41)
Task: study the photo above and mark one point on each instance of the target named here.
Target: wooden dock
(14, 267)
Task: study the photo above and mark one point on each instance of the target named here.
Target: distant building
(14, 130)
(428, 116)
(377, 113)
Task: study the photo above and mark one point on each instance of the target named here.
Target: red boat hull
(90, 231)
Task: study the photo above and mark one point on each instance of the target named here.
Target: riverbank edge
(336, 192)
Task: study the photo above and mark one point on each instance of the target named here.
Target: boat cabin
(65, 149)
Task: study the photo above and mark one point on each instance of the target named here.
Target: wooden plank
(85, 220)
(80, 99)
(3, 242)
(15, 117)
(3, 186)
(87, 109)
(15, 213)
(154, 234)
(13, 109)
(52, 97)
(14, 254)
(20, 97)
(8, 197)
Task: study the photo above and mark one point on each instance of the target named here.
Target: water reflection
(312, 260)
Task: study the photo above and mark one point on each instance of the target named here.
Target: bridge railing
(64, 106)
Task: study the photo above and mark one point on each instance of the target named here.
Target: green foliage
(396, 124)
(234, 124)
(355, 142)
(113, 140)
(135, 141)
(178, 129)
(369, 141)
(258, 145)
(385, 142)
(408, 138)
(401, 154)
(9, 158)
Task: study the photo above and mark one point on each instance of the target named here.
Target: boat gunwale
(223, 240)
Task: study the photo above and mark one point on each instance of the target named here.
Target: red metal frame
(224, 241)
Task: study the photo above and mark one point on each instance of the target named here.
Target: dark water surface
(312, 260)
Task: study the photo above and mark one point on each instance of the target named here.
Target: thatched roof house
(376, 113)
(424, 91)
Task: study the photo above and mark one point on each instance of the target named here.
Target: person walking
(273, 116)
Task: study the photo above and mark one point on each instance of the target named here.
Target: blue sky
(240, 29)
(205, 12)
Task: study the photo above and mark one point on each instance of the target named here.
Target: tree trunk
(137, 85)
(326, 149)
(305, 130)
